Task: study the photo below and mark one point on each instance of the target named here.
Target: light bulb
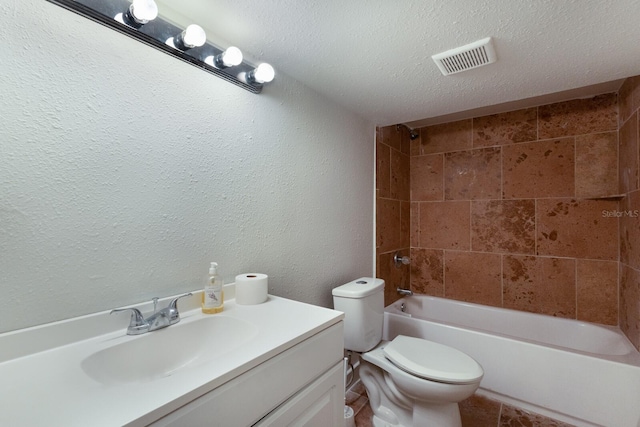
(194, 36)
(232, 56)
(143, 11)
(139, 13)
(264, 73)
(229, 58)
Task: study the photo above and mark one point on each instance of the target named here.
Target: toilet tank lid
(359, 288)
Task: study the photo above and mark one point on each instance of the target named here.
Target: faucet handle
(137, 324)
(174, 315)
(174, 302)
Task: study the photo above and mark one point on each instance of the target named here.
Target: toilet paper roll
(251, 288)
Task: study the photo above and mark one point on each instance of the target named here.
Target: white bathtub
(580, 373)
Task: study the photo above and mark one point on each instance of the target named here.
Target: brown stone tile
(625, 101)
(399, 188)
(445, 137)
(405, 141)
(629, 217)
(358, 388)
(597, 164)
(540, 285)
(515, 417)
(473, 277)
(394, 277)
(629, 304)
(636, 93)
(539, 169)
(416, 146)
(578, 117)
(479, 411)
(579, 229)
(628, 155)
(629, 98)
(388, 225)
(414, 232)
(364, 418)
(445, 225)
(506, 128)
(473, 174)
(427, 271)
(597, 284)
(383, 170)
(356, 397)
(355, 401)
(405, 224)
(392, 136)
(503, 226)
(427, 178)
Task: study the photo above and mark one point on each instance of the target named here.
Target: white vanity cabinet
(302, 386)
(273, 364)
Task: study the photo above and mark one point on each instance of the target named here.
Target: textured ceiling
(374, 56)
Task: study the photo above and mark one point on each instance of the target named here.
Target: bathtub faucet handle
(405, 292)
(399, 260)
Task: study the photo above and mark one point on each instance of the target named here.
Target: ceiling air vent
(467, 57)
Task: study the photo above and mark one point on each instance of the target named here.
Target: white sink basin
(160, 353)
(87, 372)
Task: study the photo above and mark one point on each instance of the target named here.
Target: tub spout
(405, 292)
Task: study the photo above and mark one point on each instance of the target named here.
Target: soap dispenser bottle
(213, 297)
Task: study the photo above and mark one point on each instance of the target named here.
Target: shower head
(413, 134)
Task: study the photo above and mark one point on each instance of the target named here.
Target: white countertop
(42, 381)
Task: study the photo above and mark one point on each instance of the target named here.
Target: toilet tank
(362, 302)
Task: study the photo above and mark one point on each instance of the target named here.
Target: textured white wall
(124, 172)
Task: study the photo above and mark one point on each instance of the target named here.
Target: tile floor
(477, 411)
(357, 399)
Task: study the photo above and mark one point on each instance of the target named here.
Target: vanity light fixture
(263, 73)
(229, 58)
(192, 36)
(140, 20)
(140, 12)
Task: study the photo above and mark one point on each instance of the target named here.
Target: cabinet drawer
(320, 404)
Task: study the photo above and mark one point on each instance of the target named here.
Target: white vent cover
(467, 57)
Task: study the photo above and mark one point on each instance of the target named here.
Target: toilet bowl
(424, 389)
(410, 381)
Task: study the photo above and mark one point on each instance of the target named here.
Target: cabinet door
(320, 404)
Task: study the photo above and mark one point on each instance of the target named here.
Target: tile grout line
(575, 194)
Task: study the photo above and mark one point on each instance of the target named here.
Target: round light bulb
(264, 73)
(144, 11)
(194, 36)
(232, 57)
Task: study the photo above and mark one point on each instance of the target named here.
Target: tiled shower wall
(630, 205)
(518, 210)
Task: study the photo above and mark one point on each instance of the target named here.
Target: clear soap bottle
(213, 297)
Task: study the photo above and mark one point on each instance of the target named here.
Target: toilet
(410, 381)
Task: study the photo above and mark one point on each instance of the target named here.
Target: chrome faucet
(158, 320)
(405, 292)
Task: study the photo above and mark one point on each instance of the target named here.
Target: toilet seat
(432, 361)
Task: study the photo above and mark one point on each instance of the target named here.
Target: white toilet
(409, 381)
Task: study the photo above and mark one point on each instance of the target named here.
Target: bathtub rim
(632, 357)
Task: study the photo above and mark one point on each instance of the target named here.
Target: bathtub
(580, 373)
